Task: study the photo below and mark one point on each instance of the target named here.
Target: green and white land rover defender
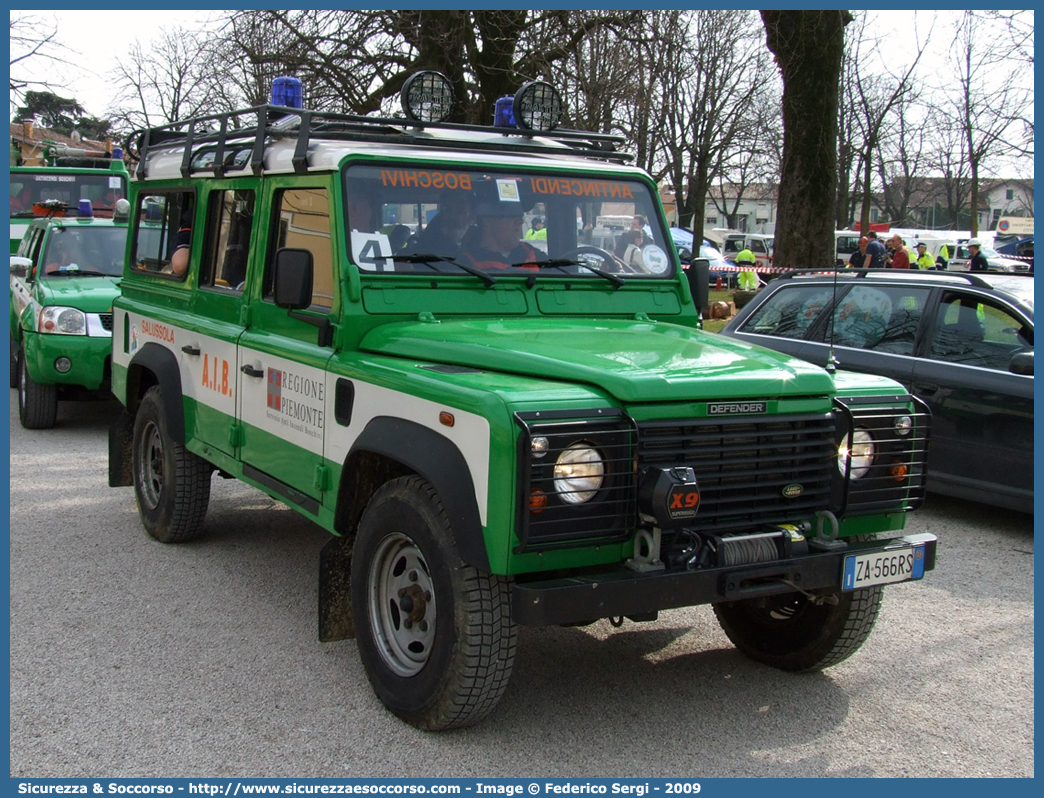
(496, 429)
(64, 279)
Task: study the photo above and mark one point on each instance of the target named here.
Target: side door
(281, 371)
(209, 354)
(982, 413)
(873, 329)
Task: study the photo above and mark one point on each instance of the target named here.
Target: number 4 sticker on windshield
(372, 252)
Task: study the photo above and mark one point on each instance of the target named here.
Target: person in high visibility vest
(924, 260)
(748, 278)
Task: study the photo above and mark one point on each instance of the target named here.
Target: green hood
(635, 361)
(89, 294)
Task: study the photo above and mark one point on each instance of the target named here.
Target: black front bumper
(628, 593)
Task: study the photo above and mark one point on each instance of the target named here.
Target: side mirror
(293, 278)
(1021, 363)
(20, 266)
(698, 275)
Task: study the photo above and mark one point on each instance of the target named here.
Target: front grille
(609, 515)
(106, 321)
(772, 469)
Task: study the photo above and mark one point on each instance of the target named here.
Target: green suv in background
(345, 312)
(64, 279)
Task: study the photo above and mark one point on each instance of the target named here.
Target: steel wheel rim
(150, 466)
(401, 605)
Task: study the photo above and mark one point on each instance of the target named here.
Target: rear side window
(790, 311)
(879, 318)
(977, 331)
(230, 218)
(302, 218)
(163, 224)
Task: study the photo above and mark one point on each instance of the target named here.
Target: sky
(95, 41)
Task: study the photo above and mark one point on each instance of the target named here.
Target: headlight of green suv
(579, 473)
(63, 321)
(860, 448)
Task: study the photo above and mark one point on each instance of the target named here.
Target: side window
(977, 331)
(163, 225)
(302, 219)
(789, 312)
(757, 247)
(881, 318)
(230, 216)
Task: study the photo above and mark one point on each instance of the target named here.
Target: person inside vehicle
(499, 244)
(63, 253)
(445, 233)
(978, 260)
(179, 258)
(22, 201)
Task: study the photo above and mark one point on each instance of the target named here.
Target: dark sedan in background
(961, 342)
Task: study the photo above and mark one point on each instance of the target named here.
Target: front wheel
(794, 633)
(435, 635)
(37, 404)
(171, 485)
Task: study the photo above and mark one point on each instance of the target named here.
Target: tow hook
(816, 599)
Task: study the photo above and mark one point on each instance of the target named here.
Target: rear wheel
(37, 404)
(435, 635)
(171, 485)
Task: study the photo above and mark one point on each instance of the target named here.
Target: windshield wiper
(558, 263)
(428, 260)
(79, 273)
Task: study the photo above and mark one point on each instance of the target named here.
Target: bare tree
(164, 84)
(33, 43)
(995, 94)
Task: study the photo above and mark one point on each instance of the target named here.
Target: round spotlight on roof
(427, 97)
(537, 106)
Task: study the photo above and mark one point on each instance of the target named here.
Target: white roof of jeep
(328, 146)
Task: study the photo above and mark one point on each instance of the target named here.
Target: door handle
(190, 349)
(921, 388)
(250, 371)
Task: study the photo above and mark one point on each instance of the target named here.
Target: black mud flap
(336, 621)
(121, 437)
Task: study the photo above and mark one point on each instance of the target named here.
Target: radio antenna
(831, 364)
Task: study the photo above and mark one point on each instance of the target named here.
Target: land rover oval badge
(793, 491)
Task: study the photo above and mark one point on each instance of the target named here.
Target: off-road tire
(37, 404)
(171, 485)
(452, 671)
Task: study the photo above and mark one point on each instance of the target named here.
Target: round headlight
(537, 106)
(63, 321)
(903, 425)
(861, 451)
(427, 97)
(579, 473)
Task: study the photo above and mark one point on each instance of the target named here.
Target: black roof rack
(973, 279)
(279, 122)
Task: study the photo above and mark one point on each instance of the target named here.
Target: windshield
(92, 251)
(426, 220)
(101, 189)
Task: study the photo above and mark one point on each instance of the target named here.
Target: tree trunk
(808, 46)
